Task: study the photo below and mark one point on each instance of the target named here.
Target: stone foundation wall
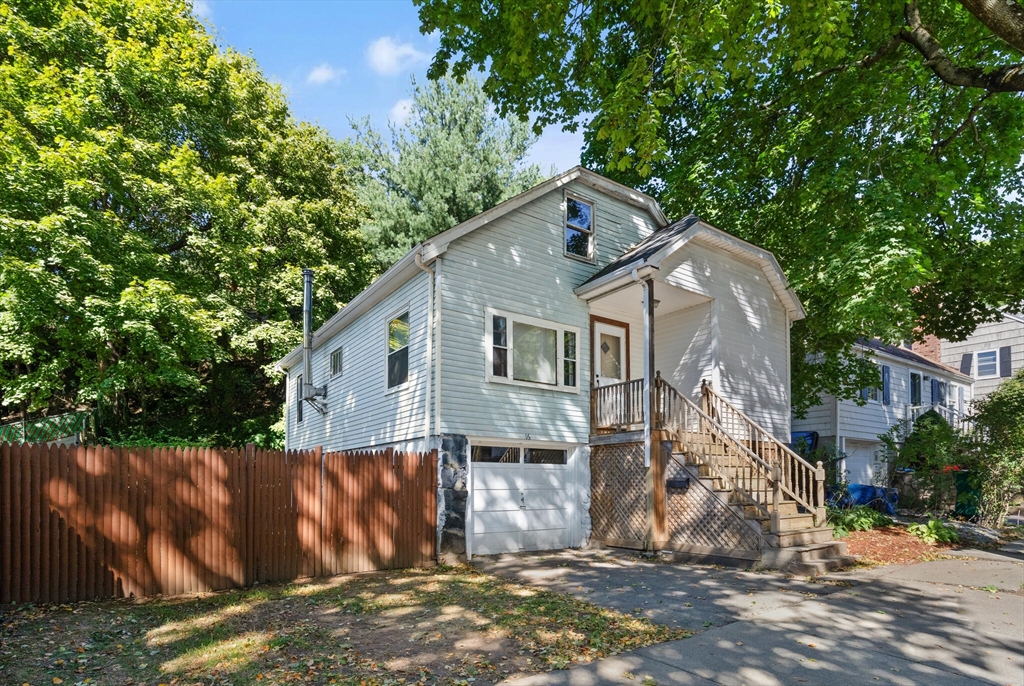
(452, 493)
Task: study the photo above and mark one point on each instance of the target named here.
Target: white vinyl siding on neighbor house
(361, 412)
(517, 264)
(753, 331)
(820, 418)
(990, 336)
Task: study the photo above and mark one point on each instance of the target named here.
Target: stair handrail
(765, 471)
(802, 481)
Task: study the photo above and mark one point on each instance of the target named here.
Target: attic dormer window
(579, 228)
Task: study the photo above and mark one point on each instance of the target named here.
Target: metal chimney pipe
(307, 333)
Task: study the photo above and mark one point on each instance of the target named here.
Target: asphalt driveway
(954, 622)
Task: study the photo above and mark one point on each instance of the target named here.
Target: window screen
(398, 350)
(579, 228)
(535, 355)
(569, 358)
(336, 362)
(987, 363)
(499, 340)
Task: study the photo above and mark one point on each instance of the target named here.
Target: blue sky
(339, 59)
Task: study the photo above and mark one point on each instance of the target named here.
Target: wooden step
(791, 539)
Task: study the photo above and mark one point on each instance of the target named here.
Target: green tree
(999, 418)
(452, 159)
(157, 201)
(875, 148)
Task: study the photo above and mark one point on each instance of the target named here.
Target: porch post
(648, 368)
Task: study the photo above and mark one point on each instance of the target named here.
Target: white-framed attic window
(527, 351)
(987, 364)
(579, 228)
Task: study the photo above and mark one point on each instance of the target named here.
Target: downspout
(430, 348)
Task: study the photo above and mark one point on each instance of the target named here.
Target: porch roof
(646, 258)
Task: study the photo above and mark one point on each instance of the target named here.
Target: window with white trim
(579, 228)
(336, 362)
(531, 352)
(398, 350)
(988, 364)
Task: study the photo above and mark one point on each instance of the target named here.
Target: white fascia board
(623, 276)
(386, 284)
(761, 257)
(926, 367)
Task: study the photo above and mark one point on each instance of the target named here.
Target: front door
(610, 354)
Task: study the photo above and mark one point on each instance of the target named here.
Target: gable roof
(427, 251)
(653, 250)
(878, 346)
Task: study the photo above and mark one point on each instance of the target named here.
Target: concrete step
(790, 539)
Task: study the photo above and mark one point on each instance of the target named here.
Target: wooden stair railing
(709, 444)
(799, 479)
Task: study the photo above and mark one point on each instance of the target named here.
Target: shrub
(859, 518)
(935, 532)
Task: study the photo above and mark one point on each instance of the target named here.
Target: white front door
(610, 354)
(520, 500)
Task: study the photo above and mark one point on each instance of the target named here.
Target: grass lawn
(447, 625)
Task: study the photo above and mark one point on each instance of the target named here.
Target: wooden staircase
(776, 491)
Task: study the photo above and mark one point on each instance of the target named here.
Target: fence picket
(87, 522)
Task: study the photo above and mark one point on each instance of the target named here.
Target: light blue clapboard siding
(820, 418)
(361, 412)
(517, 264)
(753, 331)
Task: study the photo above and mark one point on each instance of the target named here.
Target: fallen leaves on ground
(447, 625)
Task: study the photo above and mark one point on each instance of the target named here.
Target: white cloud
(324, 73)
(202, 9)
(400, 112)
(387, 56)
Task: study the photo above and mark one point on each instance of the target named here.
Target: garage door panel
(536, 520)
(496, 499)
(494, 522)
(496, 543)
(545, 476)
(496, 477)
(544, 499)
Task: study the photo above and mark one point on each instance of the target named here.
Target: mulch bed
(892, 545)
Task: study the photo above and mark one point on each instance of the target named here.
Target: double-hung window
(988, 364)
(915, 389)
(579, 228)
(531, 352)
(298, 399)
(398, 350)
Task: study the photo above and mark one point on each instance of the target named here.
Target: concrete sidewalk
(928, 623)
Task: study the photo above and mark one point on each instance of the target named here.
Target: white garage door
(865, 463)
(520, 499)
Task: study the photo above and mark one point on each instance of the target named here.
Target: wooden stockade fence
(78, 523)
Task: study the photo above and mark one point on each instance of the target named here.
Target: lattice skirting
(618, 493)
(696, 517)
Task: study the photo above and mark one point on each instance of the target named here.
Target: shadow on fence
(79, 523)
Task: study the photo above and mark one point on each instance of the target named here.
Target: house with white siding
(910, 384)
(990, 355)
(565, 324)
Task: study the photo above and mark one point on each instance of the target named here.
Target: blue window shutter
(863, 394)
(935, 390)
(886, 397)
(1005, 369)
(965, 363)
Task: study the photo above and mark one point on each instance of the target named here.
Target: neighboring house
(911, 384)
(990, 355)
(527, 340)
